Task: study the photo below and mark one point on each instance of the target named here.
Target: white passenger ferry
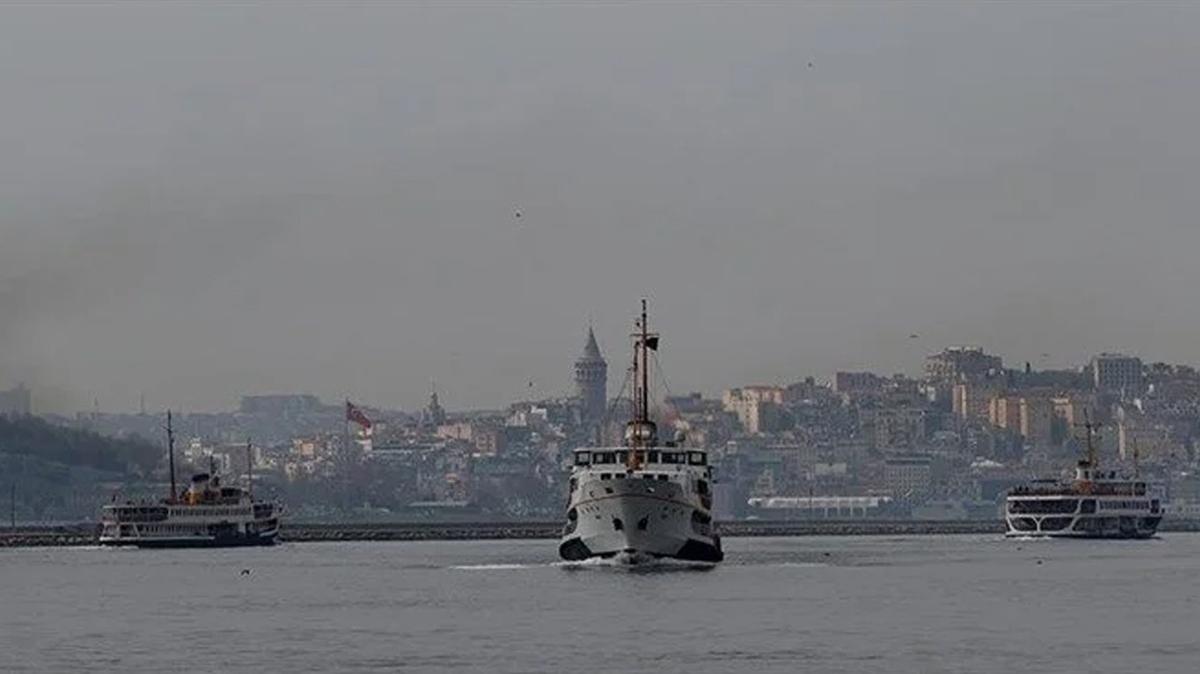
(1096, 504)
(206, 514)
(643, 500)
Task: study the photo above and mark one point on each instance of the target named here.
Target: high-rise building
(971, 398)
(958, 362)
(908, 477)
(1037, 420)
(857, 382)
(1031, 416)
(1004, 411)
(591, 380)
(757, 407)
(1117, 373)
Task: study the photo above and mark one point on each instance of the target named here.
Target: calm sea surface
(869, 604)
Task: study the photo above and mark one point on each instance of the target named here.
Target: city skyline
(570, 385)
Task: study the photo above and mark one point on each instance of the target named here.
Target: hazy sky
(201, 201)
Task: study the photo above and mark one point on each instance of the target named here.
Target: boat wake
(636, 563)
(619, 563)
(494, 567)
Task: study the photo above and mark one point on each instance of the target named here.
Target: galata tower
(591, 380)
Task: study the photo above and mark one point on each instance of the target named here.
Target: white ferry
(1096, 504)
(643, 500)
(206, 514)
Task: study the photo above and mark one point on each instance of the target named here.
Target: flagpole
(346, 432)
(344, 478)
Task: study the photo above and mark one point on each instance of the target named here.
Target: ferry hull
(240, 541)
(1125, 527)
(693, 550)
(635, 523)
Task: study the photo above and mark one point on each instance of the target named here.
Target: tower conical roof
(592, 350)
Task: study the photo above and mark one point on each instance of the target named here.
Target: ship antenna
(635, 384)
(249, 469)
(1091, 432)
(640, 431)
(171, 455)
(1091, 445)
(645, 411)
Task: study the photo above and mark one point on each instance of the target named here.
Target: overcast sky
(202, 201)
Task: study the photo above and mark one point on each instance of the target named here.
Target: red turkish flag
(356, 415)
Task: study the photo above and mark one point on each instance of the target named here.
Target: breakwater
(490, 530)
(86, 534)
(39, 536)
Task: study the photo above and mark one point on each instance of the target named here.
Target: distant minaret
(591, 380)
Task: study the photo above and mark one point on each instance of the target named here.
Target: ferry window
(605, 476)
(663, 478)
(622, 457)
(696, 458)
(701, 487)
(582, 458)
(654, 457)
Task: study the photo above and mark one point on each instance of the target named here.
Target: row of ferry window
(1067, 506)
(701, 485)
(173, 529)
(681, 458)
(208, 512)
(1124, 505)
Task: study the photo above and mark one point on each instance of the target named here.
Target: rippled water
(870, 604)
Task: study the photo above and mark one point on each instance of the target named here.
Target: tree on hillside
(31, 436)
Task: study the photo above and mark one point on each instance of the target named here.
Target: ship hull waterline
(241, 541)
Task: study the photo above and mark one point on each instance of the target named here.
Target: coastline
(86, 534)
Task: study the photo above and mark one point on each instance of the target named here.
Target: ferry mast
(641, 431)
(1086, 470)
(171, 457)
